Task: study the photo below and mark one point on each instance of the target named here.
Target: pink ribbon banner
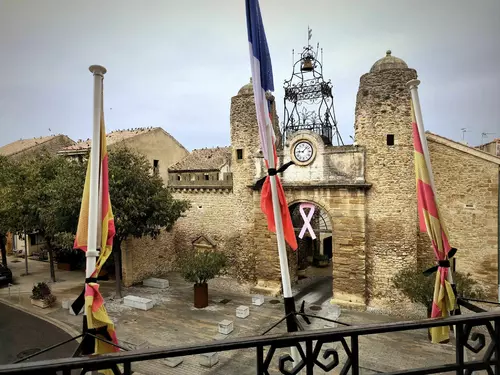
(307, 219)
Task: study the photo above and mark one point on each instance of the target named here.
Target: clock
(303, 151)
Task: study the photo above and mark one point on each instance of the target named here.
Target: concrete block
(172, 362)
(242, 311)
(138, 302)
(226, 327)
(66, 303)
(156, 283)
(209, 359)
(258, 300)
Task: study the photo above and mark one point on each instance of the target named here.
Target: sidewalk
(174, 321)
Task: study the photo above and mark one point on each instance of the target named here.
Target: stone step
(138, 302)
(156, 283)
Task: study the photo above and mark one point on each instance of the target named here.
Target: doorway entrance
(313, 230)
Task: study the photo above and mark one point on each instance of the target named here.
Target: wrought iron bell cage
(308, 100)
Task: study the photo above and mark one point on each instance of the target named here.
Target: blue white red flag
(262, 78)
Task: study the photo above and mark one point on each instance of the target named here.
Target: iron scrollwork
(287, 365)
(308, 89)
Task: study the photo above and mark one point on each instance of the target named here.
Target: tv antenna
(485, 135)
(464, 130)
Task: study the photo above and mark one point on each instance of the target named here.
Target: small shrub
(420, 289)
(41, 291)
(200, 266)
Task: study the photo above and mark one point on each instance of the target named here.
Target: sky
(176, 64)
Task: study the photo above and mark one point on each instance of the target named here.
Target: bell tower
(309, 98)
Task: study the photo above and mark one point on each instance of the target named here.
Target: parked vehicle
(5, 275)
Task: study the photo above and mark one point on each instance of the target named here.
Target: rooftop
(112, 137)
(24, 144)
(204, 159)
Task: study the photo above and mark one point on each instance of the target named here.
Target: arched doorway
(314, 255)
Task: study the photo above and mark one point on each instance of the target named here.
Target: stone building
(23, 147)
(160, 148)
(492, 147)
(364, 195)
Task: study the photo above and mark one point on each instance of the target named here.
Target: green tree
(142, 205)
(6, 173)
(44, 197)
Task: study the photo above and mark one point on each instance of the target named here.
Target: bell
(307, 66)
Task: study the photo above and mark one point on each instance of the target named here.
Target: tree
(45, 198)
(6, 170)
(142, 205)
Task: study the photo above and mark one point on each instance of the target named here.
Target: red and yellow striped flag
(444, 298)
(97, 316)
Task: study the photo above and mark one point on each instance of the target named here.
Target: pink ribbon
(307, 219)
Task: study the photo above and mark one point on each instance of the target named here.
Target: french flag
(262, 78)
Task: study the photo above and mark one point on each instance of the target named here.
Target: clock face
(303, 151)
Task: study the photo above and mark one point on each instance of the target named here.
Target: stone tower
(383, 128)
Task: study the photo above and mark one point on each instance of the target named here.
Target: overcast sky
(176, 64)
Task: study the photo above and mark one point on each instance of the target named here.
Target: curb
(65, 327)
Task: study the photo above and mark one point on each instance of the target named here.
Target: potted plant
(419, 288)
(42, 296)
(69, 259)
(198, 267)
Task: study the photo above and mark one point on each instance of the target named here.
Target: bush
(420, 289)
(41, 291)
(200, 266)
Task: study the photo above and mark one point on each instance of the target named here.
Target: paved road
(20, 332)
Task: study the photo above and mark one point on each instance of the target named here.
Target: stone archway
(345, 207)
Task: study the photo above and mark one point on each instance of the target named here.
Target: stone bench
(138, 302)
(156, 283)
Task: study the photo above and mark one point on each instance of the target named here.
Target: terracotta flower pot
(200, 295)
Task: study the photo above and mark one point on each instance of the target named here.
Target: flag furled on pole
(97, 316)
(430, 221)
(262, 79)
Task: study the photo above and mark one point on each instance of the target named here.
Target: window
(239, 154)
(178, 177)
(207, 177)
(156, 166)
(390, 139)
(33, 239)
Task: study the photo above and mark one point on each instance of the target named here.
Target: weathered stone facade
(382, 110)
(367, 190)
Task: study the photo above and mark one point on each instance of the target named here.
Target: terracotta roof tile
(24, 144)
(112, 137)
(205, 159)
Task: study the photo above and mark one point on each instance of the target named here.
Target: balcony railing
(476, 346)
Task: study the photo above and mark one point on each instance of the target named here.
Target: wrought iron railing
(476, 349)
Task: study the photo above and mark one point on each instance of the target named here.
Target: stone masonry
(367, 189)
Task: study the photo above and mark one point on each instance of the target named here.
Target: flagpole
(413, 86)
(280, 236)
(92, 250)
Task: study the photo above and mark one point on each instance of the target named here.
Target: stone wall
(346, 210)
(215, 214)
(383, 108)
(468, 200)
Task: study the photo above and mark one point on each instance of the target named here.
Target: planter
(65, 266)
(200, 295)
(40, 303)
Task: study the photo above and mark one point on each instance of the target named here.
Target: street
(21, 332)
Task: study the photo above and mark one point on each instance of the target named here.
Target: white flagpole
(280, 235)
(92, 249)
(413, 86)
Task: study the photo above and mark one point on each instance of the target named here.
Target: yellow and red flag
(430, 221)
(97, 316)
